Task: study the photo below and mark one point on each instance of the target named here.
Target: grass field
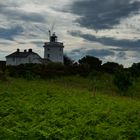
(66, 109)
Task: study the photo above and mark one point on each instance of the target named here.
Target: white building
(18, 57)
(53, 50)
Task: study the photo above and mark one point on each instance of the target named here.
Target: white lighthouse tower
(53, 50)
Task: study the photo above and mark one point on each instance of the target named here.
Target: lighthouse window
(48, 49)
(48, 55)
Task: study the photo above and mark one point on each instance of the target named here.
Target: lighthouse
(53, 50)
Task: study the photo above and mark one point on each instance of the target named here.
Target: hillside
(66, 108)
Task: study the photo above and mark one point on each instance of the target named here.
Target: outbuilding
(24, 57)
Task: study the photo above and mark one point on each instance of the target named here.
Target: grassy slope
(65, 109)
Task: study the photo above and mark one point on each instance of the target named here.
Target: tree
(67, 60)
(93, 62)
(135, 70)
(111, 67)
(123, 81)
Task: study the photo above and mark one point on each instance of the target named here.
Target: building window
(48, 55)
(48, 49)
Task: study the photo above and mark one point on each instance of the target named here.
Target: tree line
(123, 77)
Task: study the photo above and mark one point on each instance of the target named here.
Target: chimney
(25, 50)
(30, 50)
(18, 50)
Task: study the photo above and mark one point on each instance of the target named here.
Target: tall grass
(65, 109)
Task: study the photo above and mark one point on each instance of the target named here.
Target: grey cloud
(34, 17)
(103, 14)
(100, 53)
(39, 44)
(16, 14)
(109, 41)
(3, 51)
(10, 33)
(121, 55)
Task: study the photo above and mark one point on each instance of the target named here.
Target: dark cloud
(109, 41)
(12, 13)
(103, 14)
(34, 17)
(10, 33)
(121, 55)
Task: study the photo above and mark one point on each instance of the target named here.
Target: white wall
(55, 53)
(32, 58)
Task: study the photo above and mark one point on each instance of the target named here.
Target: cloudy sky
(108, 29)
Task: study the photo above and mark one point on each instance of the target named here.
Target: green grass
(66, 108)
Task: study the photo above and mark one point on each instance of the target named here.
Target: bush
(135, 70)
(3, 76)
(123, 81)
(111, 67)
(93, 62)
(68, 60)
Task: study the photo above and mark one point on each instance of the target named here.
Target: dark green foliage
(64, 109)
(111, 67)
(50, 70)
(68, 61)
(27, 71)
(30, 71)
(123, 80)
(135, 70)
(3, 76)
(2, 65)
(92, 62)
(84, 68)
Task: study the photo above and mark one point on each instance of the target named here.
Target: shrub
(123, 81)
(68, 60)
(93, 62)
(3, 76)
(111, 67)
(135, 70)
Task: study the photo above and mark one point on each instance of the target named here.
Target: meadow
(68, 108)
